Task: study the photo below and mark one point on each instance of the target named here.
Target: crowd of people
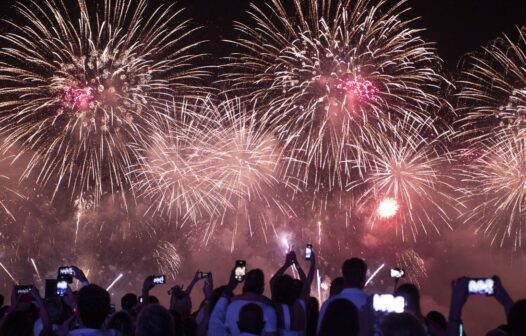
(289, 311)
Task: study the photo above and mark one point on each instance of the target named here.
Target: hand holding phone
(240, 270)
(203, 275)
(159, 279)
(62, 286)
(66, 273)
(481, 286)
(387, 303)
(397, 273)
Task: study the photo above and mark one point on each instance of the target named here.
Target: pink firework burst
(79, 98)
(359, 88)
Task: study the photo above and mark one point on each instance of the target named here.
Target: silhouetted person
(405, 324)
(517, 318)
(122, 323)
(155, 320)
(251, 321)
(341, 319)
(337, 285)
(253, 289)
(93, 303)
(129, 301)
(354, 272)
(438, 319)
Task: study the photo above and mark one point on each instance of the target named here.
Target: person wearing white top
(354, 275)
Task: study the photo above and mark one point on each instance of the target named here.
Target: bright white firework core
(387, 208)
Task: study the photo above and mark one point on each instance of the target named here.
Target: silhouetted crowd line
(291, 310)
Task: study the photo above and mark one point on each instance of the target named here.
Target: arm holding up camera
(502, 295)
(80, 276)
(147, 285)
(307, 283)
(192, 283)
(289, 260)
(217, 323)
(459, 296)
(44, 316)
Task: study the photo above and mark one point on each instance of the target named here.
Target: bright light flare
(388, 208)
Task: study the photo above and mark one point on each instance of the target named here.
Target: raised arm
(459, 296)
(192, 283)
(289, 260)
(307, 283)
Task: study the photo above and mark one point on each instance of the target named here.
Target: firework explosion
(168, 259)
(413, 264)
(330, 74)
(495, 182)
(493, 91)
(405, 183)
(83, 82)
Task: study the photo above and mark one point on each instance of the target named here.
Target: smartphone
(141, 299)
(62, 286)
(159, 279)
(482, 286)
(387, 303)
(308, 251)
(66, 273)
(241, 266)
(397, 273)
(23, 289)
(203, 275)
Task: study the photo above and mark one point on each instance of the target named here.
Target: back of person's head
(93, 303)
(182, 304)
(121, 322)
(254, 282)
(354, 271)
(285, 290)
(438, 319)
(251, 319)
(153, 299)
(155, 320)
(517, 318)
(337, 285)
(402, 324)
(17, 324)
(341, 319)
(128, 301)
(412, 297)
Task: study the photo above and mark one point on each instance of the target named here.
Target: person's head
(153, 299)
(128, 301)
(517, 318)
(55, 309)
(412, 298)
(254, 282)
(341, 319)
(405, 324)
(285, 290)
(337, 285)
(182, 304)
(121, 322)
(155, 320)
(93, 303)
(251, 319)
(17, 323)
(354, 271)
(438, 319)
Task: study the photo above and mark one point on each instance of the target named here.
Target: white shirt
(216, 324)
(92, 332)
(232, 316)
(355, 295)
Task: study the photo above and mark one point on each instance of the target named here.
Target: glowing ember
(360, 88)
(387, 208)
(80, 98)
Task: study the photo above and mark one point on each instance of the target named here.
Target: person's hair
(251, 319)
(254, 282)
(517, 318)
(337, 285)
(412, 297)
(55, 309)
(182, 304)
(285, 290)
(341, 319)
(354, 271)
(128, 301)
(216, 295)
(155, 320)
(438, 319)
(313, 311)
(153, 299)
(93, 303)
(17, 324)
(406, 324)
(121, 322)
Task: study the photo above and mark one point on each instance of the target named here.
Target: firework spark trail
(8, 273)
(405, 182)
(413, 264)
(495, 183)
(374, 274)
(36, 269)
(492, 94)
(329, 74)
(168, 259)
(114, 282)
(77, 92)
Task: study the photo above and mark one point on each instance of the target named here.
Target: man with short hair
(93, 303)
(128, 302)
(354, 272)
(251, 320)
(253, 289)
